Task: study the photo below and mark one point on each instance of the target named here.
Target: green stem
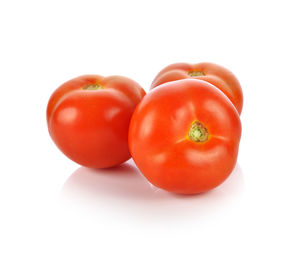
(196, 73)
(198, 133)
(92, 87)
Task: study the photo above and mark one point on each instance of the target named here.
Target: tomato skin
(91, 126)
(215, 74)
(159, 144)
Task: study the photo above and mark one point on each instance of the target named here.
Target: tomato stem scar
(197, 132)
(92, 87)
(196, 73)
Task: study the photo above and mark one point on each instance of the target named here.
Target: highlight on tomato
(215, 74)
(88, 118)
(184, 136)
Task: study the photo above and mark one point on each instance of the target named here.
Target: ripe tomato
(88, 118)
(210, 72)
(184, 136)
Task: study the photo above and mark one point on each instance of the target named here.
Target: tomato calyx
(198, 133)
(196, 73)
(92, 87)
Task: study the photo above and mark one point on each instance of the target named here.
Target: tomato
(215, 74)
(88, 118)
(184, 136)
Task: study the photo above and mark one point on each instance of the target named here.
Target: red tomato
(210, 72)
(88, 118)
(184, 136)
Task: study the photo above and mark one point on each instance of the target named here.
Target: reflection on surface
(125, 189)
(123, 181)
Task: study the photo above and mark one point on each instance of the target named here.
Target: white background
(52, 207)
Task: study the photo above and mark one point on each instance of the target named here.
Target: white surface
(52, 207)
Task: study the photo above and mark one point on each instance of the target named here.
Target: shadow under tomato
(123, 181)
(124, 188)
